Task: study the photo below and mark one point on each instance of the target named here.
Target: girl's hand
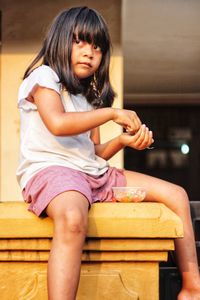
(128, 119)
(142, 139)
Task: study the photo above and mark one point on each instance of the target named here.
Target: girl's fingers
(149, 140)
(137, 123)
(145, 138)
(142, 139)
(134, 123)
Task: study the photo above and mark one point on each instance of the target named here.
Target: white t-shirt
(39, 148)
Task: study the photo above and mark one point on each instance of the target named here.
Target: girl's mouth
(86, 64)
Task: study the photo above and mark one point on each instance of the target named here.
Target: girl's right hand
(128, 119)
(141, 140)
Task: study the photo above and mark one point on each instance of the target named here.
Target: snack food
(128, 194)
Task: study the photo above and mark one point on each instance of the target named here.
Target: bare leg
(176, 199)
(69, 212)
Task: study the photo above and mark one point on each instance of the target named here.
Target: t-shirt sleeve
(43, 76)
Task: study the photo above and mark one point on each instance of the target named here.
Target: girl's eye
(97, 47)
(77, 41)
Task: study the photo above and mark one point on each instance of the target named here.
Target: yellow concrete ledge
(126, 220)
(124, 245)
(91, 244)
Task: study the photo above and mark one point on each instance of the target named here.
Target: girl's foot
(189, 294)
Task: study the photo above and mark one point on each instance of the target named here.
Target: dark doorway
(176, 153)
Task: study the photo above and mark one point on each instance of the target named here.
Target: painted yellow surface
(125, 244)
(99, 281)
(105, 220)
(113, 267)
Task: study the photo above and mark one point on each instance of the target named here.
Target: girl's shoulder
(43, 76)
(43, 71)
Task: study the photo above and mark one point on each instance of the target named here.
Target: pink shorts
(54, 180)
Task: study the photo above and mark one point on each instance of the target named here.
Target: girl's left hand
(141, 140)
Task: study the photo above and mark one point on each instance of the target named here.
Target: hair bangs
(91, 28)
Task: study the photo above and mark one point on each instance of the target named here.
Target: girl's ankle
(190, 281)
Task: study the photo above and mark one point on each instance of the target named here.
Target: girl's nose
(88, 50)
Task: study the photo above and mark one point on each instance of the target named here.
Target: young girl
(64, 98)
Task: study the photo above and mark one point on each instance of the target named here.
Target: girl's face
(85, 58)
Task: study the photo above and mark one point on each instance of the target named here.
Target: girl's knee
(182, 194)
(76, 222)
(181, 198)
(70, 224)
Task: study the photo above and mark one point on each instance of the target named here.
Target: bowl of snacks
(128, 194)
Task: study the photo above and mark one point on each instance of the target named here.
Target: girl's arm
(60, 123)
(108, 149)
(141, 140)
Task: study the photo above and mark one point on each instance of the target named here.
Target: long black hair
(88, 25)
